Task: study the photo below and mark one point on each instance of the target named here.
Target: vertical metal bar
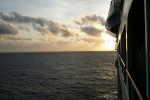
(128, 55)
(126, 40)
(147, 45)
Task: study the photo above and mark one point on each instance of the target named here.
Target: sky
(54, 25)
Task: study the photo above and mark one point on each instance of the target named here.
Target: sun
(109, 45)
(109, 42)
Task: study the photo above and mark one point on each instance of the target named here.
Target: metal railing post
(147, 45)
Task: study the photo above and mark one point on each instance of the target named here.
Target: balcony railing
(127, 74)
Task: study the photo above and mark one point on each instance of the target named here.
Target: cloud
(88, 24)
(45, 26)
(93, 40)
(53, 27)
(41, 25)
(66, 33)
(90, 19)
(17, 18)
(93, 19)
(90, 30)
(42, 30)
(24, 28)
(6, 29)
(77, 22)
(16, 38)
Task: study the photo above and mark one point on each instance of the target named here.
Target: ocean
(58, 76)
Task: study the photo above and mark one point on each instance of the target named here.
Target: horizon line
(52, 51)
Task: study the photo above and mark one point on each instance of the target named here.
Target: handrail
(131, 79)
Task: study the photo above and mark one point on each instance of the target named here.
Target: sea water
(58, 76)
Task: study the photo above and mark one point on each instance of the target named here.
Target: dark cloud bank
(41, 25)
(6, 29)
(45, 26)
(90, 29)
